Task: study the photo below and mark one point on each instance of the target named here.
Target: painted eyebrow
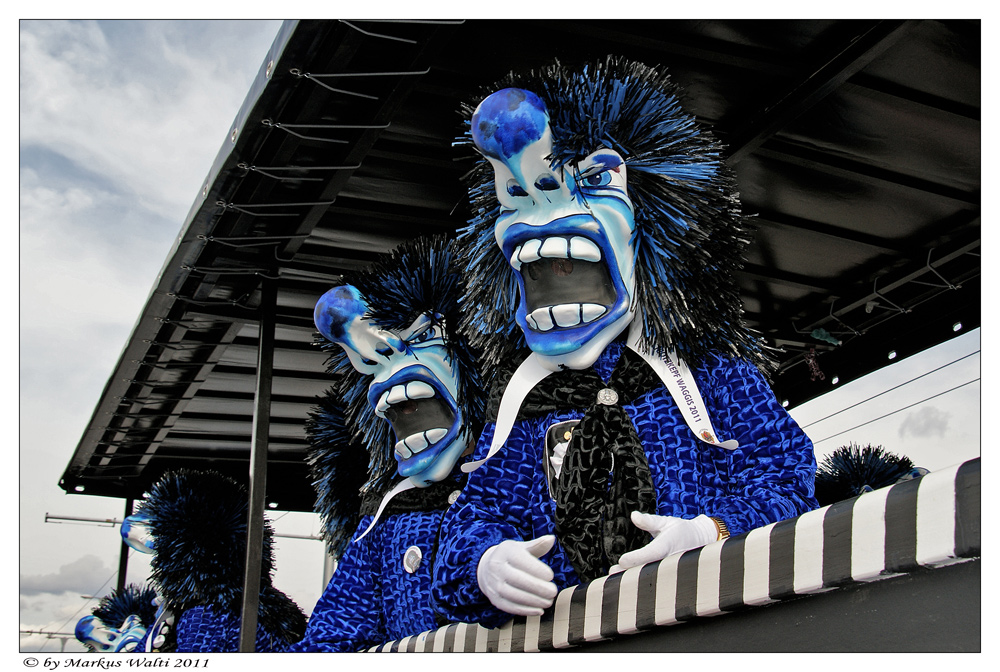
(602, 161)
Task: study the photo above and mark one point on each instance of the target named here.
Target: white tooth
(543, 320)
(566, 314)
(416, 442)
(396, 394)
(383, 404)
(592, 311)
(402, 450)
(435, 435)
(417, 389)
(531, 322)
(554, 248)
(581, 248)
(514, 261)
(529, 251)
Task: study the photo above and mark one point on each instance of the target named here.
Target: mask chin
(587, 352)
(441, 466)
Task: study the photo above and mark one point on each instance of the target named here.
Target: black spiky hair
(118, 605)
(338, 468)
(280, 615)
(198, 520)
(852, 469)
(421, 276)
(690, 232)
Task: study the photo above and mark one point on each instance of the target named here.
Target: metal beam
(258, 466)
(837, 69)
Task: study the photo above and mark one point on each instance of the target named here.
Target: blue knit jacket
(768, 478)
(371, 598)
(204, 629)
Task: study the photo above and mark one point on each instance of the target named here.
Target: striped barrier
(928, 522)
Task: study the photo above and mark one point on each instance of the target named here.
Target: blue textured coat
(371, 598)
(769, 478)
(204, 629)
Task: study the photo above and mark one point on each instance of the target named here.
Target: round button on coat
(412, 558)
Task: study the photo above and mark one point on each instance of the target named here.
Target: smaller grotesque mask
(95, 633)
(566, 232)
(135, 533)
(413, 384)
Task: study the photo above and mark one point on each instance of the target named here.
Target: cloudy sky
(119, 124)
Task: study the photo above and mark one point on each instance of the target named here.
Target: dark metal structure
(856, 144)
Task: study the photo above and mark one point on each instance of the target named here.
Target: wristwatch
(723, 528)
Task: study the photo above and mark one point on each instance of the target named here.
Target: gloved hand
(670, 535)
(511, 575)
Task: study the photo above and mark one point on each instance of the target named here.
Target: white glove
(511, 575)
(670, 535)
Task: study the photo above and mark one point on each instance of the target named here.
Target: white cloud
(927, 422)
(83, 575)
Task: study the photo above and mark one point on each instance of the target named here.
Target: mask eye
(515, 189)
(601, 179)
(432, 332)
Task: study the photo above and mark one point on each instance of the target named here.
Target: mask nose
(386, 344)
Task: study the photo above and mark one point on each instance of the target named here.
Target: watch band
(723, 528)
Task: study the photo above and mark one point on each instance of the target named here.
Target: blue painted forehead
(507, 122)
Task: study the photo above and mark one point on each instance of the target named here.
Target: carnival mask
(413, 386)
(567, 233)
(93, 631)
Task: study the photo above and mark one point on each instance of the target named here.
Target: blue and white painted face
(567, 233)
(135, 532)
(414, 386)
(91, 630)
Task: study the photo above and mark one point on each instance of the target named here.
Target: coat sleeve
(494, 506)
(349, 615)
(771, 475)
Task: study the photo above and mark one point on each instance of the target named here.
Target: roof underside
(856, 143)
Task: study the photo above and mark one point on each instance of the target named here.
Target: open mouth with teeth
(422, 414)
(566, 282)
(570, 284)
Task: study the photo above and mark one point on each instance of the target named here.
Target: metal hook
(885, 298)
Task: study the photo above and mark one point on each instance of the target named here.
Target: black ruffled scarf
(605, 475)
(434, 497)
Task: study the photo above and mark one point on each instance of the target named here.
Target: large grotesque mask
(102, 638)
(413, 385)
(598, 206)
(411, 371)
(566, 232)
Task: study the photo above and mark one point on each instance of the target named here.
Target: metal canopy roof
(856, 143)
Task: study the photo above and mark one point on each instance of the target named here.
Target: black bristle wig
(198, 520)
(851, 470)
(338, 468)
(421, 276)
(690, 233)
(118, 605)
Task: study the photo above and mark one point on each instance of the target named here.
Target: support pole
(258, 465)
(123, 552)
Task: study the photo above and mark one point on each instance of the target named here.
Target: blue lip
(561, 340)
(571, 225)
(420, 461)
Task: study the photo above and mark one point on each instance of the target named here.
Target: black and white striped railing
(927, 522)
